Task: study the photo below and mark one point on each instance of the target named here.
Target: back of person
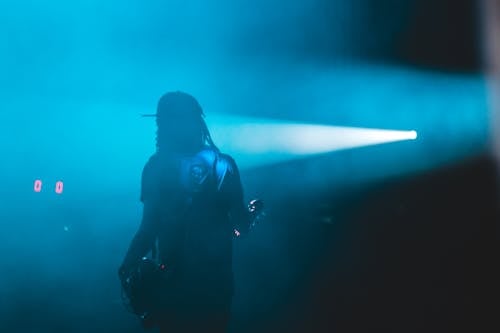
(193, 199)
(195, 237)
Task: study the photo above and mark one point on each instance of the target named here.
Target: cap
(177, 102)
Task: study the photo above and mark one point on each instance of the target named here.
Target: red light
(38, 186)
(59, 187)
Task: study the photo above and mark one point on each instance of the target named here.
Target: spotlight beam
(271, 140)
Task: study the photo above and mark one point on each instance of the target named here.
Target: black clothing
(192, 203)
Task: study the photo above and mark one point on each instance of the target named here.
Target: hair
(174, 105)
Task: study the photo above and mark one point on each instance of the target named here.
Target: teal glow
(105, 143)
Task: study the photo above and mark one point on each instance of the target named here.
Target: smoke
(77, 75)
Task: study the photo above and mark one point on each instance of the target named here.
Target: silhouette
(193, 202)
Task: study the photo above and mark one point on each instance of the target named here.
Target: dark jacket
(192, 204)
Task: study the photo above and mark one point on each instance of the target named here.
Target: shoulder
(151, 165)
(211, 155)
(226, 165)
(152, 162)
(226, 157)
(147, 178)
(227, 160)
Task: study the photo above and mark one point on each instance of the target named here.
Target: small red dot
(59, 187)
(38, 186)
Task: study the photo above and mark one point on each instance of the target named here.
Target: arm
(144, 237)
(148, 230)
(238, 211)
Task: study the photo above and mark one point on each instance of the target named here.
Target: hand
(255, 206)
(256, 210)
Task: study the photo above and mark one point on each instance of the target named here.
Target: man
(193, 202)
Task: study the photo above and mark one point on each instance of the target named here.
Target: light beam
(264, 141)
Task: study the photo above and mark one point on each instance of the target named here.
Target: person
(192, 206)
